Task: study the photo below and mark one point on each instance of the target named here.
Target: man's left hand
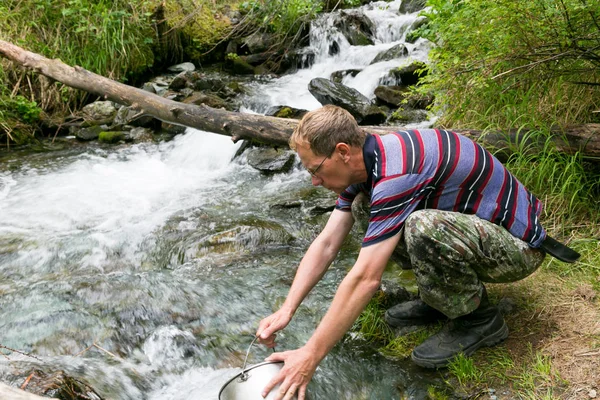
(298, 369)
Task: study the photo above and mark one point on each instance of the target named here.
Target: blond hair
(325, 127)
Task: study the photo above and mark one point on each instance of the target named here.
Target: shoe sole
(487, 341)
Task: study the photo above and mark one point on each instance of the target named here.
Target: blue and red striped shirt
(419, 169)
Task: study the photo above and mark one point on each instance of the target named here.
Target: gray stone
(99, 110)
(411, 6)
(186, 66)
(269, 161)
(90, 133)
(393, 95)
(328, 92)
(338, 76)
(397, 51)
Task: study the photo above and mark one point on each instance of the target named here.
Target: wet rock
(139, 135)
(182, 80)
(397, 51)
(270, 161)
(89, 133)
(237, 65)
(148, 87)
(285, 112)
(393, 95)
(338, 76)
(409, 74)
(356, 27)
(412, 34)
(300, 59)
(99, 110)
(183, 67)
(210, 100)
(130, 116)
(409, 115)
(172, 129)
(328, 92)
(411, 6)
(111, 136)
(257, 43)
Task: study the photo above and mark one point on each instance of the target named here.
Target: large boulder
(328, 92)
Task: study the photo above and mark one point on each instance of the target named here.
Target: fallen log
(13, 393)
(584, 139)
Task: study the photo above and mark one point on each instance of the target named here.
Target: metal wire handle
(244, 376)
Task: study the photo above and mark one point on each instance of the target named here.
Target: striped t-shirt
(418, 169)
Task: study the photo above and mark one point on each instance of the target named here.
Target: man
(435, 197)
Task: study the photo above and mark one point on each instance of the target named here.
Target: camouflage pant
(452, 254)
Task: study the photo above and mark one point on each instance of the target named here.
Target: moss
(111, 136)
(201, 26)
(285, 112)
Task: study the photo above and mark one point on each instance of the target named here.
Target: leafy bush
(504, 63)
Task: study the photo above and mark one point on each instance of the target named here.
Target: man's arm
(351, 298)
(315, 262)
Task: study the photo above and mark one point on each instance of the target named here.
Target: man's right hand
(270, 325)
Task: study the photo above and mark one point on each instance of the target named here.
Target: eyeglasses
(314, 172)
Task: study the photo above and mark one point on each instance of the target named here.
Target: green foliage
(281, 16)
(112, 38)
(502, 63)
(464, 370)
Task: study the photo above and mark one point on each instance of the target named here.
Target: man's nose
(316, 181)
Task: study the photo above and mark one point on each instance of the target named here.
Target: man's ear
(344, 150)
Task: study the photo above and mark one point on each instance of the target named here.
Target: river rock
(411, 6)
(210, 100)
(257, 42)
(186, 66)
(130, 116)
(411, 33)
(408, 74)
(356, 27)
(328, 92)
(111, 136)
(393, 95)
(270, 161)
(409, 115)
(285, 112)
(397, 51)
(99, 110)
(139, 135)
(338, 76)
(89, 133)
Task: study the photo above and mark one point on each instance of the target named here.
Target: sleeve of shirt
(345, 199)
(393, 199)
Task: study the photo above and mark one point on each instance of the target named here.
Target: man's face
(325, 171)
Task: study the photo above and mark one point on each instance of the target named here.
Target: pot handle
(244, 376)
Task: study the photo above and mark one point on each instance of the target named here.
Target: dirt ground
(553, 318)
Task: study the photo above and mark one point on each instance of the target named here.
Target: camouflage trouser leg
(452, 254)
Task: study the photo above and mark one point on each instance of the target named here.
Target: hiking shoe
(483, 327)
(412, 313)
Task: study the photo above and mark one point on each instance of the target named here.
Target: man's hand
(298, 369)
(270, 325)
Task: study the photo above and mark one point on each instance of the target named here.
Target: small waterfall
(390, 30)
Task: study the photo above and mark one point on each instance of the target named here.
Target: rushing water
(144, 270)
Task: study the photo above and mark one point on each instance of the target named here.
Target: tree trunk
(269, 130)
